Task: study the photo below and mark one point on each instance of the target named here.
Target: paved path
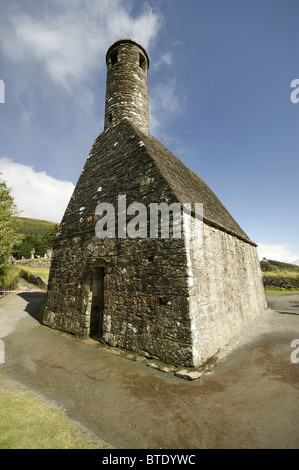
(251, 400)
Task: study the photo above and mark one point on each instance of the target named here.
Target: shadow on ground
(33, 304)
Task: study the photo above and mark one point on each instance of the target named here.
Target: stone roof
(189, 187)
(124, 160)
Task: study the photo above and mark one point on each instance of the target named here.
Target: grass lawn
(27, 422)
(277, 291)
(43, 272)
(281, 282)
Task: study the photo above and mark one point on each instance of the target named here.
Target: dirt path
(251, 400)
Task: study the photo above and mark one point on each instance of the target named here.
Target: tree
(23, 249)
(40, 247)
(46, 241)
(49, 236)
(9, 235)
(40, 244)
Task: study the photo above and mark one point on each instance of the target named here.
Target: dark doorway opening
(97, 303)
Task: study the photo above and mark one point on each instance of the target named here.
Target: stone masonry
(155, 296)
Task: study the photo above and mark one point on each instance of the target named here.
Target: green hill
(34, 227)
(275, 266)
(279, 277)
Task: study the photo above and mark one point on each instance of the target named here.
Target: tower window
(110, 117)
(113, 58)
(142, 61)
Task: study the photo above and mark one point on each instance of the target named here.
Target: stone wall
(37, 263)
(145, 294)
(34, 279)
(282, 282)
(160, 298)
(146, 288)
(226, 291)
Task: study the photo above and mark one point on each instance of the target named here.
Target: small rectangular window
(142, 61)
(114, 57)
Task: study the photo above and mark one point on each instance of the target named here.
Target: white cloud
(165, 59)
(165, 100)
(36, 194)
(69, 38)
(278, 253)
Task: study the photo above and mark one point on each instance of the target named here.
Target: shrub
(9, 277)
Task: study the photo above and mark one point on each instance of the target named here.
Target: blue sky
(219, 89)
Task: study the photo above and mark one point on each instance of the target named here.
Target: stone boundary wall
(33, 279)
(34, 263)
(283, 282)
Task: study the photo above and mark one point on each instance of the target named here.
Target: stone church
(159, 296)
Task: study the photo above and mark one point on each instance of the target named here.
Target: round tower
(127, 85)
